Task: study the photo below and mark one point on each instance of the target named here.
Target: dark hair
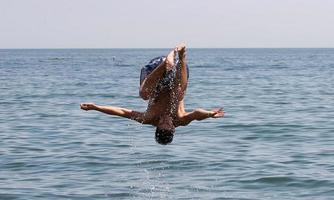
(164, 136)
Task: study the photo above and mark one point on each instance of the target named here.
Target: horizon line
(64, 48)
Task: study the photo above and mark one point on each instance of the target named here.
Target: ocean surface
(275, 142)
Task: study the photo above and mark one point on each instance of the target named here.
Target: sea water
(275, 142)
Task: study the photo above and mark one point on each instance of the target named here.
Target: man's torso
(164, 103)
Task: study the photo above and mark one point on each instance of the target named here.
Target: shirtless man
(163, 82)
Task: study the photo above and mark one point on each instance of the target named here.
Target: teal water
(276, 141)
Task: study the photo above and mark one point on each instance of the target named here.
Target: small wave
(36, 149)
(123, 65)
(290, 181)
(57, 58)
(275, 179)
(205, 66)
(119, 194)
(53, 59)
(251, 138)
(150, 162)
(81, 84)
(311, 183)
(15, 165)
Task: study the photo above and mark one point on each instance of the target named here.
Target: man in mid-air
(163, 81)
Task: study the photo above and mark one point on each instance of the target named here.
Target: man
(163, 82)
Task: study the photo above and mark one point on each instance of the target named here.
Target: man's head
(165, 130)
(164, 136)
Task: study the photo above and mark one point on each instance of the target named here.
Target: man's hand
(87, 106)
(218, 113)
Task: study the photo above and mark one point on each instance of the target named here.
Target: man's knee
(144, 94)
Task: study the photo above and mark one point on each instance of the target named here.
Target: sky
(162, 24)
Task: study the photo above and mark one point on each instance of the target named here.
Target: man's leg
(150, 82)
(181, 78)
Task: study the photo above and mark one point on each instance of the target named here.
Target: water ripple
(274, 143)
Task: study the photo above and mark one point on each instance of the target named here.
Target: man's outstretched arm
(200, 114)
(112, 110)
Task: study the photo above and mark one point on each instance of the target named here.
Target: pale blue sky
(159, 24)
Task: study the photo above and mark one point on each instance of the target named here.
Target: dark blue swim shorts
(168, 77)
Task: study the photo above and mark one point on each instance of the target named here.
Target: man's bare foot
(170, 60)
(87, 106)
(182, 53)
(181, 49)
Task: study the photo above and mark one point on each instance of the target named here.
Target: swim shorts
(168, 77)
